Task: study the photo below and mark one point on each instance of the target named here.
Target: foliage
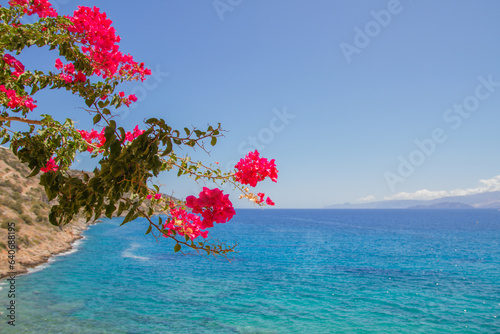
(27, 219)
(91, 66)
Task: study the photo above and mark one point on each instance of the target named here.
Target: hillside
(23, 202)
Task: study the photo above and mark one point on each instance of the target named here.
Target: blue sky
(356, 100)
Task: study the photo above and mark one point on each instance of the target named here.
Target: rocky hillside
(23, 202)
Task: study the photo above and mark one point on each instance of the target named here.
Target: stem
(19, 119)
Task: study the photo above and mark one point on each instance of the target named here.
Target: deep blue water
(297, 271)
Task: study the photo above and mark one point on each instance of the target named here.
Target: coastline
(55, 243)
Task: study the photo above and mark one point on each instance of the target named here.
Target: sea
(296, 271)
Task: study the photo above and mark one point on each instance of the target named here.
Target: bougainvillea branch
(91, 65)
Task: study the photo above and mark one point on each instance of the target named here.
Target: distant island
(486, 200)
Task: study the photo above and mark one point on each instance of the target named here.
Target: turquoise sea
(297, 271)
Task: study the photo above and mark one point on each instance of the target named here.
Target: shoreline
(56, 243)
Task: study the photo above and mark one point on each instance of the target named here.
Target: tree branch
(19, 119)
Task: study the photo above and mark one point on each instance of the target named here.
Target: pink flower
(80, 77)
(130, 136)
(132, 98)
(261, 195)
(59, 64)
(184, 223)
(149, 196)
(122, 94)
(253, 169)
(100, 44)
(157, 196)
(41, 7)
(16, 101)
(66, 77)
(51, 166)
(16, 64)
(68, 72)
(69, 68)
(269, 201)
(93, 138)
(213, 205)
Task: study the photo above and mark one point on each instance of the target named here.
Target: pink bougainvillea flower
(93, 138)
(59, 64)
(51, 166)
(80, 77)
(261, 197)
(269, 201)
(41, 7)
(157, 196)
(253, 169)
(16, 101)
(149, 196)
(213, 205)
(100, 45)
(14, 63)
(130, 136)
(184, 223)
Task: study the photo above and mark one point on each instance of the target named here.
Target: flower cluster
(97, 139)
(68, 72)
(100, 45)
(185, 223)
(93, 138)
(268, 200)
(15, 101)
(259, 198)
(41, 7)
(127, 100)
(253, 169)
(130, 136)
(51, 166)
(14, 63)
(156, 196)
(213, 206)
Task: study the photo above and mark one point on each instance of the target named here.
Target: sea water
(297, 271)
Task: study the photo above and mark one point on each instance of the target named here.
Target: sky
(355, 100)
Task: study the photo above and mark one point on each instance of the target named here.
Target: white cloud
(488, 185)
(366, 199)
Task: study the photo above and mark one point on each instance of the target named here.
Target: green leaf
(6, 138)
(152, 120)
(97, 118)
(187, 131)
(149, 229)
(214, 141)
(168, 149)
(177, 248)
(34, 89)
(129, 215)
(122, 133)
(121, 208)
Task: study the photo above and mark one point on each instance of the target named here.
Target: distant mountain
(443, 205)
(487, 200)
